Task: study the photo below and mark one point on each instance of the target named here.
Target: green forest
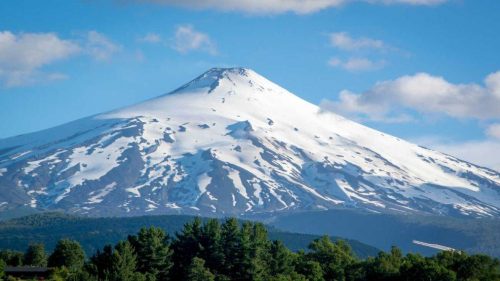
(93, 233)
(230, 250)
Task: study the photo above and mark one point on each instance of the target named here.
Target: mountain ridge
(231, 142)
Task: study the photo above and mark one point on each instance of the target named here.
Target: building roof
(30, 269)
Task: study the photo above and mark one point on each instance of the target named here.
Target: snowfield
(232, 142)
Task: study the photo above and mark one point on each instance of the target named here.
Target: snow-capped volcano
(232, 142)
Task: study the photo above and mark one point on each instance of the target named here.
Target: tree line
(215, 251)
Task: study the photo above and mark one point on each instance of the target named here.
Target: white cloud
(188, 39)
(480, 152)
(357, 64)
(494, 131)
(348, 106)
(411, 2)
(99, 46)
(277, 6)
(151, 38)
(424, 93)
(23, 55)
(344, 41)
(254, 6)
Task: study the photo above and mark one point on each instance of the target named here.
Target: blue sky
(423, 70)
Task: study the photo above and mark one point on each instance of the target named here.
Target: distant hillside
(94, 233)
(384, 230)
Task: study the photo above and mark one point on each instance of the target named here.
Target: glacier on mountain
(231, 142)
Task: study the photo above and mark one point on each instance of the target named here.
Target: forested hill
(384, 230)
(231, 250)
(94, 233)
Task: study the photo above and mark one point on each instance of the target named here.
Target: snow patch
(98, 196)
(433, 245)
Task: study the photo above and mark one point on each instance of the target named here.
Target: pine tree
(67, 253)
(123, 264)
(232, 249)
(281, 259)
(384, 267)
(80, 275)
(198, 272)
(153, 253)
(310, 269)
(416, 267)
(12, 258)
(244, 267)
(211, 244)
(292, 276)
(35, 255)
(255, 249)
(101, 262)
(2, 268)
(478, 267)
(229, 251)
(334, 258)
(185, 247)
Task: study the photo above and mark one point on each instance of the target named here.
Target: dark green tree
(154, 255)
(101, 262)
(334, 258)
(185, 247)
(67, 253)
(124, 264)
(358, 271)
(12, 258)
(384, 267)
(2, 266)
(232, 249)
(198, 272)
(254, 252)
(211, 244)
(281, 259)
(259, 250)
(292, 276)
(475, 267)
(451, 259)
(118, 264)
(80, 275)
(416, 267)
(35, 255)
(310, 269)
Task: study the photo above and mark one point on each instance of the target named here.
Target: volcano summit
(231, 142)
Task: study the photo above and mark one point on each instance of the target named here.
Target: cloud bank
(24, 55)
(277, 6)
(389, 101)
(423, 93)
(480, 152)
